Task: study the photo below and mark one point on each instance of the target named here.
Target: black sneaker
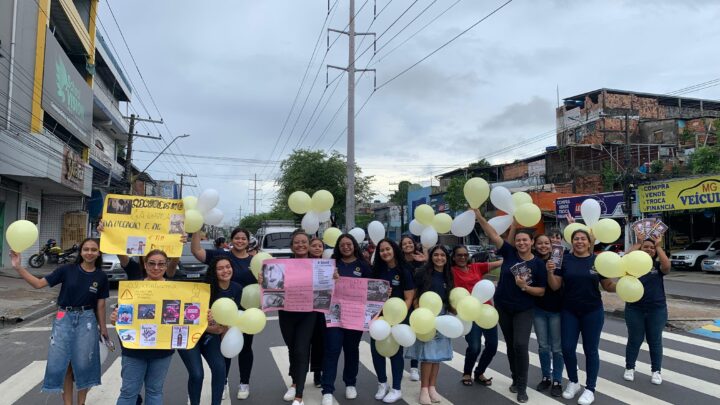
(522, 396)
(317, 377)
(556, 389)
(514, 387)
(544, 384)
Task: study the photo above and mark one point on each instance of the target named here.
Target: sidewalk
(19, 301)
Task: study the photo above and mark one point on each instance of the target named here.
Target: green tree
(705, 159)
(252, 222)
(309, 171)
(399, 198)
(609, 177)
(454, 195)
(657, 166)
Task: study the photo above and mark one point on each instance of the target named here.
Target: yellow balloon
(331, 235)
(476, 191)
(442, 222)
(456, 294)
(629, 289)
(609, 264)
(468, 308)
(424, 214)
(250, 296)
(394, 310)
(567, 233)
(387, 347)
(322, 200)
(189, 202)
(487, 317)
(422, 320)
(21, 235)
(257, 262)
(432, 301)
(252, 321)
(193, 221)
(299, 202)
(606, 230)
(528, 214)
(225, 311)
(521, 198)
(637, 263)
(426, 337)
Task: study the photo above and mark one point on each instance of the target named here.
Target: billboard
(701, 192)
(415, 198)
(611, 205)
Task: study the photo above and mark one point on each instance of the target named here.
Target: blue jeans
(645, 324)
(590, 325)
(75, 340)
(337, 339)
(474, 341)
(547, 330)
(396, 365)
(208, 347)
(138, 371)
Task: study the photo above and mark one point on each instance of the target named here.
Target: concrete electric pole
(128, 153)
(182, 181)
(255, 197)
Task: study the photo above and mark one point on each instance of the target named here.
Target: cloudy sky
(227, 72)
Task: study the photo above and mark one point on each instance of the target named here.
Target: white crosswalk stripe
(311, 395)
(692, 341)
(109, 391)
(21, 382)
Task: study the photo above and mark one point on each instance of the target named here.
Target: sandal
(483, 381)
(467, 381)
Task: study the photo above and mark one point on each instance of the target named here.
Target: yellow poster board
(135, 225)
(700, 192)
(161, 314)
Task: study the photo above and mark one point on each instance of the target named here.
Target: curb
(693, 299)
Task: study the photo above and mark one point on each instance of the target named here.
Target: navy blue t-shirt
(508, 295)
(79, 287)
(654, 296)
(400, 279)
(234, 292)
(356, 268)
(241, 267)
(552, 300)
(580, 284)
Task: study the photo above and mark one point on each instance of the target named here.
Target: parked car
(190, 268)
(711, 265)
(111, 267)
(480, 253)
(274, 237)
(610, 247)
(692, 256)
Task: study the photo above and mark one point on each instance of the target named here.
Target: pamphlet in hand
(523, 271)
(658, 230)
(558, 251)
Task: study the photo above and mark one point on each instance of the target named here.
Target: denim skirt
(437, 350)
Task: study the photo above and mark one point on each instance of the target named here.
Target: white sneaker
(571, 389)
(414, 374)
(296, 402)
(382, 391)
(327, 399)
(350, 392)
(289, 394)
(243, 391)
(226, 392)
(587, 397)
(629, 374)
(392, 396)
(656, 378)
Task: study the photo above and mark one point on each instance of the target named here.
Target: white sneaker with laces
(296, 402)
(382, 391)
(656, 378)
(587, 397)
(414, 374)
(350, 392)
(327, 399)
(571, 389)
(392, 396)
(629, 374)
(289, 394)
(243, 391)
(226, 392)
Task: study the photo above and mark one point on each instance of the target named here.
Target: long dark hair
(98, 261)
(380, 266)
(211, 277)
(424, 274)
(356, 248)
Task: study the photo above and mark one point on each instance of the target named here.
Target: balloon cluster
(21, 235)
(425, 322)
(199, 210)
(517, 205)
(316, 209)
(251, 321)
(605, 230)
(428, 225)
(628, 268)
(251, 293)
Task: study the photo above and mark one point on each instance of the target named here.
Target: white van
(274, 237)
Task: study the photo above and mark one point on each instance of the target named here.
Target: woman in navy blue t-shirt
(582, 312)
(646, 318)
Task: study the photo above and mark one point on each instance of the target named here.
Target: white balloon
(310, 222)
(379, 329)
(358, 234)
(467, 325)
(501, 223)
(213, 217)
(463, 224)
(429, 237)
(502, 199)
(590, 211)
(324, 216)
(376, 230)
(416, 227)
(232, 343)
(403, 334)
(450, 326)
(327, 253)
(208, 200)
(483, 290)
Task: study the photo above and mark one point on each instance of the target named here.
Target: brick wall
(589, 184)
(513, 171)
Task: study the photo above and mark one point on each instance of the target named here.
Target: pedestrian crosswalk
(691, 375)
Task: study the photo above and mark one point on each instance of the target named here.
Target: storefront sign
(701, 192)
(73, 170)
(611, 205)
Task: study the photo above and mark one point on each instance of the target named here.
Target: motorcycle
(53, 254)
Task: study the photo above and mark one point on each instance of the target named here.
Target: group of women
(561, 303)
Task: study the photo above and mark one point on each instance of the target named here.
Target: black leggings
(317, 348)
(516, 326)
(245, 360)
(297, 332)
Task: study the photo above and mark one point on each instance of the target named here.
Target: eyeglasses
(461, 255)
(157, 264)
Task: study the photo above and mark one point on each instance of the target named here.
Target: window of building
(99, 145)
(658, 136)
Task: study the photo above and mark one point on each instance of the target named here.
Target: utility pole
(182, 181)
(128, 153)
(254, 199)
(350, 69)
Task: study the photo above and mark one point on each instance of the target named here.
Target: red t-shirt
(468, 279)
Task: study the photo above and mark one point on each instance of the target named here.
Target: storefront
(612, 205)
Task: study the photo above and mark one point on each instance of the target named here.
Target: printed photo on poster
(333, 316)
(523, 271)
(273, 299)
(273, 276)
(119, 206)
(148, 334)
(371, 311)
(136, 245)
(191, 314)
(127, 335)
(146, 311)
(171, 312)
(177, 224)
(378, 290)
(321, 299)
(179, 337)
(125, 314)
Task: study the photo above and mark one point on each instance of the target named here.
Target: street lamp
(163, 151)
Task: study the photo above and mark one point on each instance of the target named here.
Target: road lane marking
(109, 391)
(311, 395)
(206, 393)
(692, 341)
(22, 382)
